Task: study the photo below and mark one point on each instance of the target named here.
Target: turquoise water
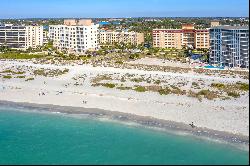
(37, 138)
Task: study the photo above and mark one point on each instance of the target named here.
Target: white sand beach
(74, 89)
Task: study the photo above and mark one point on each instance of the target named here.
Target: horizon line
(128, 17)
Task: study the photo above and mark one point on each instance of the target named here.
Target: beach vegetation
(137, 80)
(29, 79)
(124, 88)
(177, 91)
(123, 79)
(239, 86)
(50, 72)
(16, 55)
(164, 91)
(108, 85)
(243, 86)
(233, 94)
(134, 56)
(20, 77)
(140, 89)
(218, 85)
(157, 82)
(195, 84)
(100, 78)
(210, 95)
(12, 72)
(7, 77)
(119, 62)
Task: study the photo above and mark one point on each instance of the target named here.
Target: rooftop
(231, 27)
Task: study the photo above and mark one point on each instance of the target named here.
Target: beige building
(215, 23)
(111, 37)
(20, 36)
(179, 38)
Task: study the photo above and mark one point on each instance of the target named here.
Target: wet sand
(164, 125)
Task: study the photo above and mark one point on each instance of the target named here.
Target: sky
(122, 8)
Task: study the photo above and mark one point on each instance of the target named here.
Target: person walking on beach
(192, 125)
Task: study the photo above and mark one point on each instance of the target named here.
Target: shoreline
(145, 121)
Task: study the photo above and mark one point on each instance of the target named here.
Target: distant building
(21, 37)
(188, 36)
(215, 23)
(45, 37)
(126, 37)
(229, 46)
(75, 36)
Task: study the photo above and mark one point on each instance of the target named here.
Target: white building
(75, 37)
(34, 35)
(20, 36)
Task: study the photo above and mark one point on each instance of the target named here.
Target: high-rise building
(188, 36)
(229, 46)
(20, 36)
(111, 37)
(34, 35)
(75, 36)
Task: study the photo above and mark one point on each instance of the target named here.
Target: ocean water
(40, 138)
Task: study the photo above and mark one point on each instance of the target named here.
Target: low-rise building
(188, 36)
(111, 37)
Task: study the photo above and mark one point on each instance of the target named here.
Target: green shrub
(195, 84)
(233, 94)
(20, 72)
(20, 77)
(218, 85)
(16, 55)
(123, 79)
(13, 72)
(210, 95)
(157, 82)
(204, 92)
(178, 91)
(7, 77)
(29, 79)
(124, 88)
(165, 91)
(7, 71)
(108, 85)
(119, 62)
(134, 56)
(243, 86)
(137, 80)
(140, 89)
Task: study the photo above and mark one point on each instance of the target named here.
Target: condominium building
(179, 38)
(111, 37)
(75, 36)
(20, 36)
(229, 46)
(34, 35)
